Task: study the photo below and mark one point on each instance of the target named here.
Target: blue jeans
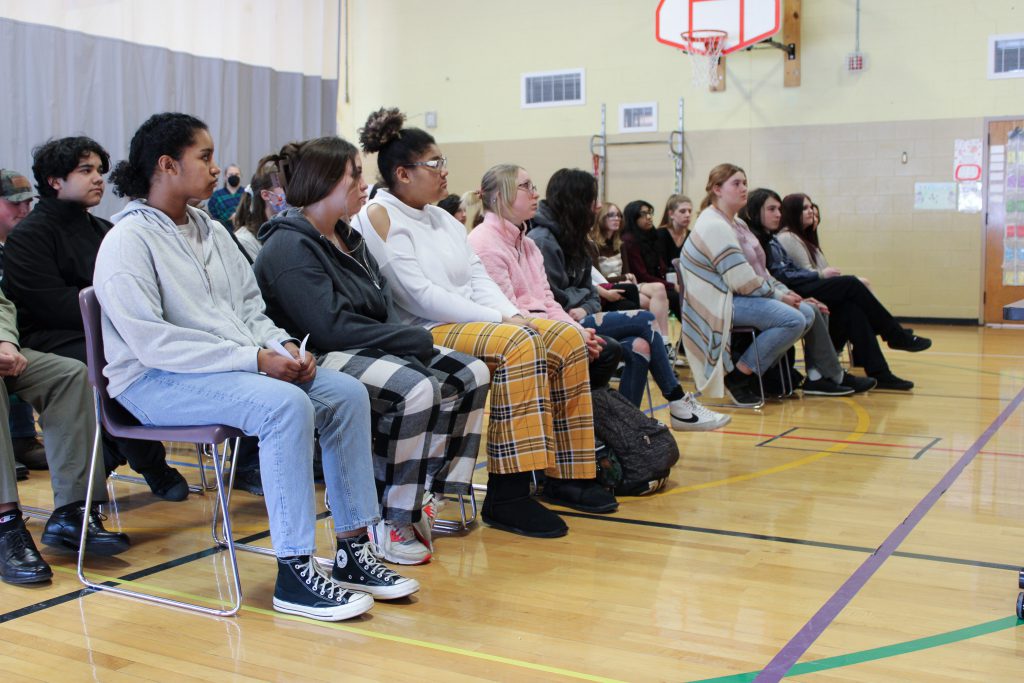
(643, 349)
(780, 327)
(282, 415)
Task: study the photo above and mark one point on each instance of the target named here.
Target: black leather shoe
(20, 471)
(64, 529)
(20, 561)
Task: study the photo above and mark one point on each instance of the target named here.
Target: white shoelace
(321, 583)
(367, 559)
(700, 410)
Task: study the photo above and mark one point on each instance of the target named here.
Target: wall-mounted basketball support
(599, 145)
(791, 10)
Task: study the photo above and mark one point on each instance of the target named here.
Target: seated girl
(187, 343)
(540, 409)
(641, 253)
(318, 277)
(857, 315)
(722, 289)
(607, 256)
(263, 199)
(560, 232)
(674, 227)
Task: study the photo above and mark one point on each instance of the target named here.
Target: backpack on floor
(644, 448)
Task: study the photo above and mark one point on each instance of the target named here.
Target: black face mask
(234, 180)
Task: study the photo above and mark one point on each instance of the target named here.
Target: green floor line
(880, 652)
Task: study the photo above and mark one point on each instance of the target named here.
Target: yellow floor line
(438, 647)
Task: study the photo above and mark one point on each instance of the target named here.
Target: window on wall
(640, 117)
(1006, 56)
(553, 88)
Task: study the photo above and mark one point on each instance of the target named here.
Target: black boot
(508, 506)
(585, 495)
(64, 530)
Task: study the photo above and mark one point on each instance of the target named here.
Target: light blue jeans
(282, 415)
(780, 327)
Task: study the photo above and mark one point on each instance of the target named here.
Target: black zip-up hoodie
(341, 300)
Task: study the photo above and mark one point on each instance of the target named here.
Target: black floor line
(793, 541)
(133, 576)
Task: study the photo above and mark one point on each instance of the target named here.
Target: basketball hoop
(705, 49)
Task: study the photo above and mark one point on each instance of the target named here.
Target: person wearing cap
(223, 202)
(15, 202)
(49, 258)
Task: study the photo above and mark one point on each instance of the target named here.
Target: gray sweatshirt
(163, 308)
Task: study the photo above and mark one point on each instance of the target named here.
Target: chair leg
(118, 590)
(466, 521)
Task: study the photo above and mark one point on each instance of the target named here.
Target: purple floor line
(805, 637)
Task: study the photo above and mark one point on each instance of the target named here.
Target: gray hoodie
(164, 309)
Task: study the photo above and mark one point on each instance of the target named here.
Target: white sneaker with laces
(688, 415)
(398, 543)
(433, 503)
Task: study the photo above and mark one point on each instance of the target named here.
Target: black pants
(603, 367)
(857, 316)
(142, 456)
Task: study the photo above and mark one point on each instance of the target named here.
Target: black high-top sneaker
(303, 588)
(356, 567)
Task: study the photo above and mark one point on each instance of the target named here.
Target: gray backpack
(643, 447)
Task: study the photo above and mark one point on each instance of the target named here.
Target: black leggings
(856, 316)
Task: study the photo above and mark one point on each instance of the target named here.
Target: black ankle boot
(508, 506)
(585, 495)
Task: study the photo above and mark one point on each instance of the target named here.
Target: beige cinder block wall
(839, 137)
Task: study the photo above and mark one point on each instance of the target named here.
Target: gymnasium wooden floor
(769, 530)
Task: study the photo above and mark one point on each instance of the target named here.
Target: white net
(705, 51)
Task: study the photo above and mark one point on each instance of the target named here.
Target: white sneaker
(433, 503)
(397, 544)
(688, 415)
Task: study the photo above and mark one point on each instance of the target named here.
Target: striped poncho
(714, 270)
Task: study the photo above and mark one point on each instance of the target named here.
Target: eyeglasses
(433, 164)
(528, 187)
(613, 215)
(645, 214)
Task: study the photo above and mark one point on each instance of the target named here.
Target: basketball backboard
(745, 21)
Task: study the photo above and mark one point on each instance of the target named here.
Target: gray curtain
(55, 83)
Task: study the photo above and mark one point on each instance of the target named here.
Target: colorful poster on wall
(967, 160)
(934, 196)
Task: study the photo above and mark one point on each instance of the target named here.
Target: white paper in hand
(277, 347)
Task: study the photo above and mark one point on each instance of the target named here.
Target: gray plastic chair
(113, 417)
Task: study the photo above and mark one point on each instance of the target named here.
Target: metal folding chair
(112, 416)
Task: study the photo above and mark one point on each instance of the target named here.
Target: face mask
(277, 203)
(234, 180)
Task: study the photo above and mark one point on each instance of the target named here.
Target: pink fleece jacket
(515, 263)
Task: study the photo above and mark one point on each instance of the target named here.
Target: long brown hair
(604, 244)
(792, 220)
(252, 210)
(671, 204)
(719, 174)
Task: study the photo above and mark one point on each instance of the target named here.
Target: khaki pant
(59, 390)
